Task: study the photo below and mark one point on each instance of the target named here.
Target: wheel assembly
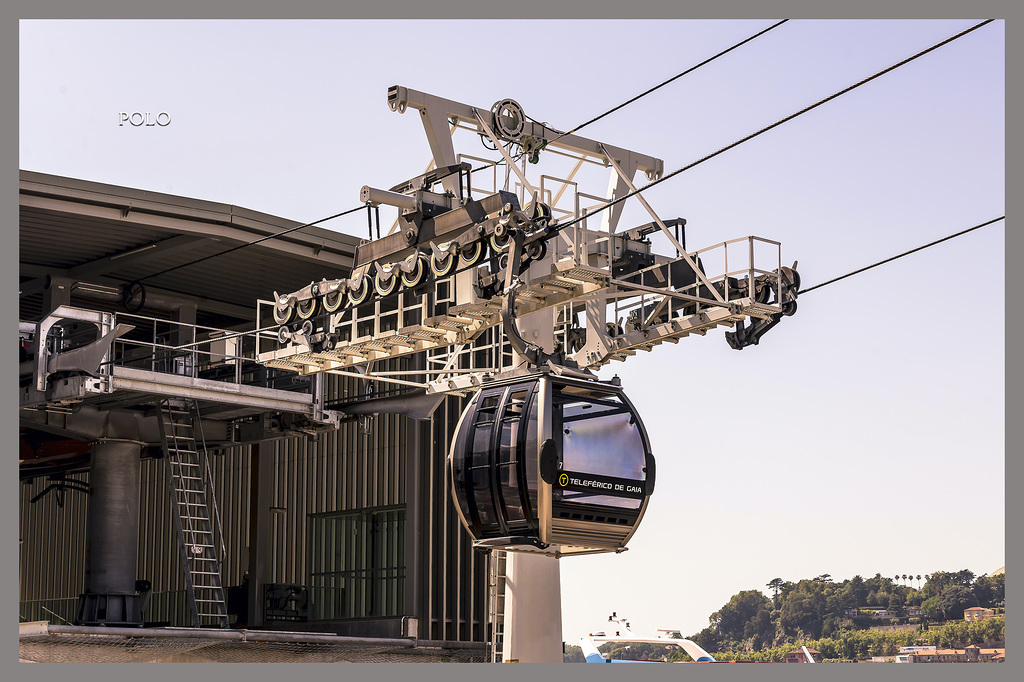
(359, 293)
(473, 253)
(442, 267)
(500, 242)
(418, 272)
(332, 301)
(536, 250)
(385, 282)
(283, 314)
(306, 309)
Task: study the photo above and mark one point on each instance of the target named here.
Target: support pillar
(112, 536)
(533, 609)
(261, 496)
(533, 589)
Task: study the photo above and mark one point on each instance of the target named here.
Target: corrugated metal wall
(342, 470)
(52, 546)
(348, 469)
(456, 588)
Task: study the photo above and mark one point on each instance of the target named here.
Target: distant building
(797, 656)
(977, 613)
(971, 654)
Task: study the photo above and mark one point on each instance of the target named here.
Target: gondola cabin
(551, 464)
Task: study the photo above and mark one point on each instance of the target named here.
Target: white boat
(619, 630)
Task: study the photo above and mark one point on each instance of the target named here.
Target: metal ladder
(194, 510)
(496, 602)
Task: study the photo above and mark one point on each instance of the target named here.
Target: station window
(357, 564)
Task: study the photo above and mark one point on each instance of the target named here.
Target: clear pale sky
(863, 435)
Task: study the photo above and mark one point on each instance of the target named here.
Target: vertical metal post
(416, 524)
(261, 490)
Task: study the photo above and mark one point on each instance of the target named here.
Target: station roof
(106, 235)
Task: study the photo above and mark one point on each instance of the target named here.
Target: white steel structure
(530, 271)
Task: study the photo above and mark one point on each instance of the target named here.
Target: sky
(863, 435)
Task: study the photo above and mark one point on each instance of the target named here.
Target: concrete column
(533, 609)
(112, 535)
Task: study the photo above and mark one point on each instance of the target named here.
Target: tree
(732, 618)
(800, 614)
(918, 581)
(573, 654)
(964, 577)
(990, 589)
(954, 599)
(759, 628)
(707, 639)
(895, 606)
(857, 590)
(931, 609)
(776, 585)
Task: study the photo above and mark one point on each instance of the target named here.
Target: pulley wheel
(133, 296)
(306, 309)
(283, 315)
(307, 328)
(443, 267)
(473, 253)
(508, 119)
(536, 250)
(333, 301)
(500, 243)
(413, 278)
(385, 284)
(359, 294)
(540, 213)
(283, 335)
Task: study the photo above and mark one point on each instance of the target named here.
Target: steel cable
(777, 123)
(673, 78)
(905, 253)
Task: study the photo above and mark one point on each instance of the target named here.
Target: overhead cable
(905, 253)
(802, 291)
(257, 241)
(673, 78)
(777, 123)
(644, 93)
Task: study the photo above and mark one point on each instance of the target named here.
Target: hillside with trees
(832, 616)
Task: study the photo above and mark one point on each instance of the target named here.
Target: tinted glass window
(600, 436)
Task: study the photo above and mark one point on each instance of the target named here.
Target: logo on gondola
(602, 485)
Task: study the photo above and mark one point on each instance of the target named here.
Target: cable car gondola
(549, 463)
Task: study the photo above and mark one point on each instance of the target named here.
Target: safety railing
(161, 346)
(731, 268)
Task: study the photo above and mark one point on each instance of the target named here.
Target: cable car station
(412, 421)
